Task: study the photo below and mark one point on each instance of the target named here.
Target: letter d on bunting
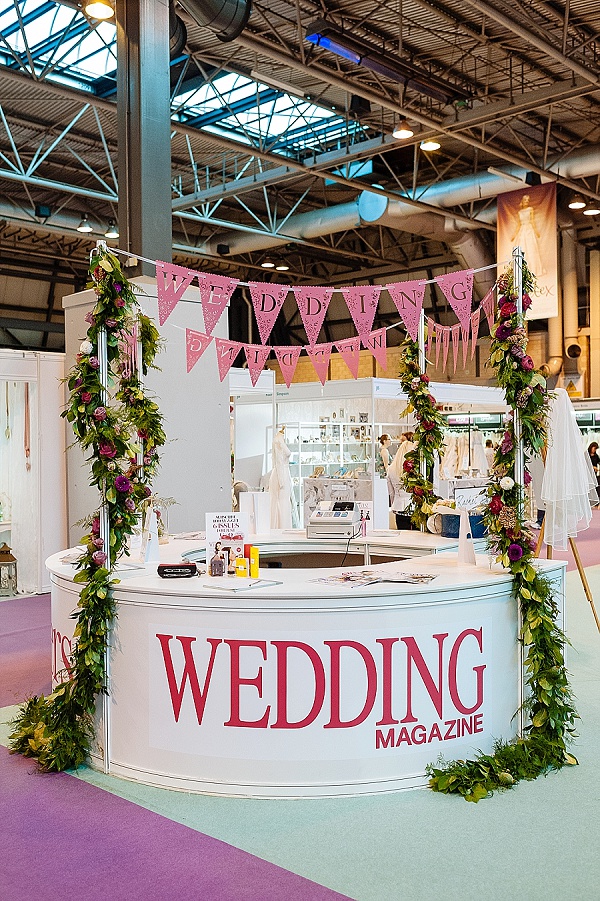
(267, 300)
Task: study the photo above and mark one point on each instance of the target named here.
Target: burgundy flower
(86, 397)
(95, 525)
(130, 504)
(495, 504)
(418, 491)
(98, 273)
(147, 491)
(527, 478)
(425, 378)
(527, 363)
(408, 466)
(107, 449)
(515, 552)
(98, 542)
(503, 331)
(431, 399)
(507, 443)
(119, 302)
(527, 301)
(508, 309)
(123, 484)
(90, 318)
(99, 557)
(99, 414)
(428, 425)
(143, 434)
(110, 323)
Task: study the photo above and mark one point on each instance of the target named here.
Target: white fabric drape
(568, 475)
(280, 485)
(399, 497)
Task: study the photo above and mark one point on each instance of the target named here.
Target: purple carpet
(63, 838)
(25, 648)
(588, 545)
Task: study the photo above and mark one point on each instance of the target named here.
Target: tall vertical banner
(527, 219)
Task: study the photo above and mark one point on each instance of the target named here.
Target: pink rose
(527, 363)
(99, 557)
(86, 397)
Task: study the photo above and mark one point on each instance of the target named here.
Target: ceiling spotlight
(282, 267)
(112, 231)
(268, 265)
(577, 202)
(430, 145)
(593, 209)
(403, 131)
(84, 225)
(99, 9)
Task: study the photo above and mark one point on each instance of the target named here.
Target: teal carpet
(537, 842)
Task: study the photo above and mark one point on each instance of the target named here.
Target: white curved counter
(303, 689)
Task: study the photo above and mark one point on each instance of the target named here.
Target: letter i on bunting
(195, 345)
(215, 291)
(267, 300)
(458, 291)
(362, 301)
(376, 342)
(408, 297)
(256, 354)
(288, 360)
(350, 352)
(227, 351)
(171, 283)
(313, 304)
(320, 354)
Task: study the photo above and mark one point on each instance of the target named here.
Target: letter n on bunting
(408, 297)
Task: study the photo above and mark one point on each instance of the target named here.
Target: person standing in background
(382, 457)
(595, 461)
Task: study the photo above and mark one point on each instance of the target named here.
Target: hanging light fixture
(112, 231)
(593, 209)
(430, 145)
(577, 202)
(99, 9)
(282, 267)
(267, 265)
(84, 226)
(403, 131)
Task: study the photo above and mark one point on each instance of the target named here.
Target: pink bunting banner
(195, 345)
(475, 317)
(464, 334)
(362, 301)
(227, 351)
(320, 354)
(487, 304)
(215, 291)
(288, 360)
(438, 344)
(267, 300)
(455, 329)
(350, 352)
(445, 330)
(376, 342)
(171, 283)
(313, 304)
(458, 291)
(408, 297)
(430, 333)
(256, 355)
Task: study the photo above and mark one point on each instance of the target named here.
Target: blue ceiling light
(328, 36)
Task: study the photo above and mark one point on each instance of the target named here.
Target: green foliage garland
(428, 434)
(57, 730)
(549, 702)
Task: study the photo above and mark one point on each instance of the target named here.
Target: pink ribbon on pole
(267, 300)
(320, 354)
(195, 345)
(215, 291)
(313, 303)
(171, 284)
(455, 342)
(362, 301)
(256, 354)
(408, 297)
(227, 351)
(376, 342)
(288, 360)
(350, 353)
(475, 317)
(458, 291)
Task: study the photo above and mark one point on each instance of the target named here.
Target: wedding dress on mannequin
(280, 484)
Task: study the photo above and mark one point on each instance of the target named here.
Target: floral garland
(428, 433)
(58, 729)
(550, 702)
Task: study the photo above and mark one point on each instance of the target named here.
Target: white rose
(506, 483)
(86, 347)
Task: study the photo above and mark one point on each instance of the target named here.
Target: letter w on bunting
(215, 291)
(349, 350)
(171, 283)
(458, 291)
(313, 303)
(408, 297)
(267, 300)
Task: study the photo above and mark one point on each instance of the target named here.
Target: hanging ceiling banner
(527, 219)
(430, 332)
(445, 329)
(287, 358)
(464, 334)
(227, 351)
(488, 307)
(475, 317)
(320, 354)
(350, 352)
(455, 342)
(458, 291)
(195, 345)
(362, 301)
(256, 355)
(376, 342)
(267, 300)
(171, 284)
(215, 291)
(408, 297)
(313, 303)
(438, 344)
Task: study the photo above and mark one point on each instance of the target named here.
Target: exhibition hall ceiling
(283, 146)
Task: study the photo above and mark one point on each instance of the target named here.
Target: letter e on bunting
(171, 284)
(195, 345)
(227, 351)
(362, 301)
(320, 354)
(215, 291)
(408, 297)
(256, 354)
(350, 352)
(267, 300)
(288, 360)
(458, 291)
(376, 342)
(312, 303)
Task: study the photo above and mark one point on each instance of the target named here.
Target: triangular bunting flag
(438, 343)
(430, 333)
(256, 354)
(215, 291)
(408, 297)
(458, 291)
(445, 344)
(288, 359)
(350, 351)
(475, 317)
(376, 342)
(313, 303)
(171, 284)
(487, 305)
(464, 334)
(195, 345)
(361, 301)
(227, 351)
(455, 342)
(267, 300)
(320, 354)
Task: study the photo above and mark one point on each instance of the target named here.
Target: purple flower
(507, 443)
(99, 557)
(123, 484)
(98, 542)
(517, 351)
(503, 331)
(527, 478)
(130, 504)
(106, 449)
(119, 302)
(147, 491)
(78, 383)
(95, 525)
(118, 287)
(86, 397)
(527, 363)
(527, 301)
(110, 323)
(515, 552)
(89, 317)
(94, 363)
(99, 414)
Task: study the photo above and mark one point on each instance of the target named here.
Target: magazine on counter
(226, 534)
(372, 577)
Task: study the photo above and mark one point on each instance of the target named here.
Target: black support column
(144, 154)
